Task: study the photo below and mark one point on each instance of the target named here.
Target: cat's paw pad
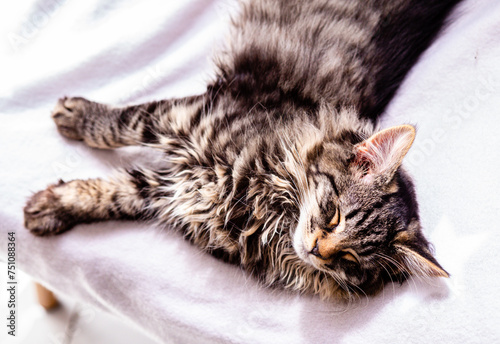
(67, 115)
(45, 215)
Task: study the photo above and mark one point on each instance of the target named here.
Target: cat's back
(301, 48)
(350, 53)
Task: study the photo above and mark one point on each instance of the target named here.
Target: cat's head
(359, 219)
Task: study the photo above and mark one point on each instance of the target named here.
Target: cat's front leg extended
(98, 125)
(64, 205)
(104, 126)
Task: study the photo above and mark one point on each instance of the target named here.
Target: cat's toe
(43, 214)
(67, 115)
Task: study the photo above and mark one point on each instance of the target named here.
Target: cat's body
(277, 167)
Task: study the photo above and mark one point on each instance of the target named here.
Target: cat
(278, 166)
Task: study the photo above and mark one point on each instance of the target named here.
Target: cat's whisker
(410, 276)
(390, 277)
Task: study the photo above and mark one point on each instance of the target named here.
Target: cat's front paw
(68, 116)
(45, 215)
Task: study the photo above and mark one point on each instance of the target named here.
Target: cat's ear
(382, 153)
(414, 257)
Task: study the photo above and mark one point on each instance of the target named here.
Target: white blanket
(125, 51)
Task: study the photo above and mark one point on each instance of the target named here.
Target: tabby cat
(278, 166)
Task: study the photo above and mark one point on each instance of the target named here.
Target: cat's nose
(315, 251)
(326, 247)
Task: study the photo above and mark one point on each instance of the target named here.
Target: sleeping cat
(277, 167)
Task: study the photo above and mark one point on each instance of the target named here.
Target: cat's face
(359, 220)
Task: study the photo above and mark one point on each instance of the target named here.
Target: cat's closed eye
(351, 255)
(334, 220)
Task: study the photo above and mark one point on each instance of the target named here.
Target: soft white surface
(131, 51)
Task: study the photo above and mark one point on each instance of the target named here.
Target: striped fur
(277, 167)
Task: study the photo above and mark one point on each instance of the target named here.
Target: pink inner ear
(371, 155)
(384, 151)
(364, 163)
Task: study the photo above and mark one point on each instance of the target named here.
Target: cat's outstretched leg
(104, 126)
(61, 206)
